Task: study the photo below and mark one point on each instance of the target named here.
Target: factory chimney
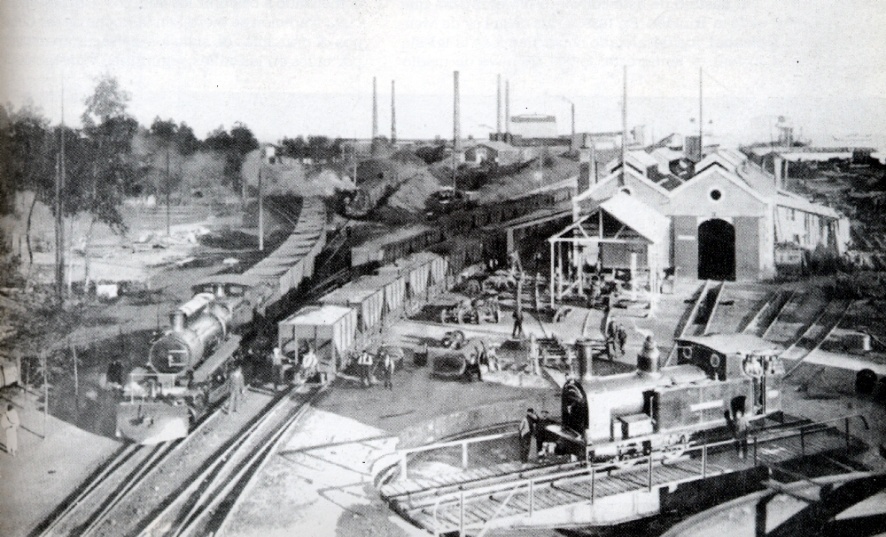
(456, 112)
(498, 109)
(508, 110)
(393, 116)
(374, 115)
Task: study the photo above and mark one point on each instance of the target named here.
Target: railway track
(95, 500)
(202, 508)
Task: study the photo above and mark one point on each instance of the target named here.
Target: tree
(185, 140)
(109, 131)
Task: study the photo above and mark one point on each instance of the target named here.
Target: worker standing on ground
(277, 367)
(517, 333)
(527, 434)
(622, 336)
(237, 386)
(365, 363)
(388, 364)
(740, 426)
(10, 424)
(309, 364)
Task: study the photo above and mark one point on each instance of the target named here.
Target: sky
(306, 67)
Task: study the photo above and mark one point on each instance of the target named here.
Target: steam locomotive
(620, 418)
(185, 374)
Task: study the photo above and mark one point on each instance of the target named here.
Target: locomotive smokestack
(393, 116)
(585, 351)
(178, 321)
(647, 359)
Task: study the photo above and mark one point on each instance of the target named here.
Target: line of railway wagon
(186, 371)
(417, 263)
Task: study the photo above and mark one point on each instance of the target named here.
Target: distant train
(620, 418)
(188, 364)
(393, 246)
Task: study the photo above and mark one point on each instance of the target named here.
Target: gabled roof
(638, 159)
(793, 201)
(731, 177)
(633, 213)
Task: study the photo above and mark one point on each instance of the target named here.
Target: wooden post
(649, 474)
(531, 497)
(802, 441)
(45, 391)
(704, 460)
(464, 455)
(76, 377)
(846, 425)
(403, 466)
(461, 513)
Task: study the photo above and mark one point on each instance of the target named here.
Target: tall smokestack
(508, 106)
(374, 112)
(498, 108)
(456, 112)
(393, 116)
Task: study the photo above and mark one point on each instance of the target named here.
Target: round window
(626, 190)
(716, 195)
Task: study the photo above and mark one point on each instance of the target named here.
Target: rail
(829, 329)
(717, 299)
(691, 317)
(803, 431)
(778, 313)
(464, 443)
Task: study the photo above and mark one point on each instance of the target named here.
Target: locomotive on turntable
(665, 410)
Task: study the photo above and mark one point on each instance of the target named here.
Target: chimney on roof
(584, 169)
(393, 116)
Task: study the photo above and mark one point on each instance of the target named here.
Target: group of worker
(616, 339)
(366, 363)
(532, 433)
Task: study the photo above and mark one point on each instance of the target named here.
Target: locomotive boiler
(622, 417)
(198, 327)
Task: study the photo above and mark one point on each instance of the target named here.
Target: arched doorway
(716, 250)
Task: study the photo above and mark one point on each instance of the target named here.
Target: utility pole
(624, 126)
(168, 194)
(59, 223)
(261, 219)
(700, 118)
(456, 130)
(393, 116)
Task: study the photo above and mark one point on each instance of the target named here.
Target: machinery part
(865, 381)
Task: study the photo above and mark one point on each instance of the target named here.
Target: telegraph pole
(261, 219)
(168, 194)
(624, 124)
(700, 118)
(59, 223)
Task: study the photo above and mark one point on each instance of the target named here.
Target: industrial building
(720, 218)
